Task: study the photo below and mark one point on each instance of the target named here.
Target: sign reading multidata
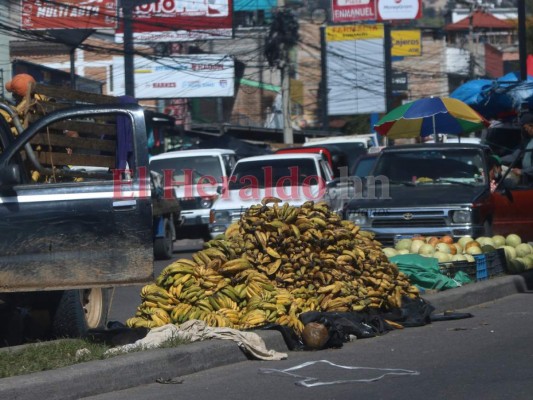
(355, 69)
(68, 14)
(205, 75)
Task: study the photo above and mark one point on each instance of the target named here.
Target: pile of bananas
(273, 264)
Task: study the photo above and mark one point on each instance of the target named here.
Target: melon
(446, 239)
(403, 244)
(515, 266)
(458, 257)
(510, 253)
(472, 250)
(523, 249)
(415, 245)
(498, 240)
(469, 257)
(442, 257)
(527, 261)
(403, 251)
(464, 240)
(426, 250)
(487, 248)
(513, 240)
(443, 247)
(458, 248)
(390, 252)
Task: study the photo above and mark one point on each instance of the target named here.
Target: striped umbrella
(430, 116)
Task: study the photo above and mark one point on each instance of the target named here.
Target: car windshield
(363, 167)
(188, 170)
(273, 173)
(435, 166)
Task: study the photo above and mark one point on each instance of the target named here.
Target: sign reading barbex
(69, 14)
(399, 82)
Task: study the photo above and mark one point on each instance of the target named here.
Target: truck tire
(80, 310)
(164, 246)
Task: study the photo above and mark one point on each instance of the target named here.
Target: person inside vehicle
(523, 168)
(495, 172)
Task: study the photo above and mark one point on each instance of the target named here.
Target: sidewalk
(145, 367)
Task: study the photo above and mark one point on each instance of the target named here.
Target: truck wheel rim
(92, 306)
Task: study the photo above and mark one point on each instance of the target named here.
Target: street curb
(129, 370)
(144, 367)
(477, 293)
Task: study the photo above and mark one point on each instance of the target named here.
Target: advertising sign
(353, 10)
(68, 14)
(355, 69)
(399, 9)
(374, 10)
(181, 20)
(406, 43)
(201, 75)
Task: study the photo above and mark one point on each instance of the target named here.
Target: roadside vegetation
(45, 356)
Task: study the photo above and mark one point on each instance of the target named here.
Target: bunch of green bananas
(275, 263)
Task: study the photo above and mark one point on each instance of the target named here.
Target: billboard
(68, 14)
(375, 10)
(355, 69)
(199, 75)
(406, 43)
(181, 20)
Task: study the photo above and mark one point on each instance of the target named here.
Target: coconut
(523, 249)
(513, 240)
(390, 252)
(464, 240)
(443, 247)
(415, 245)
(498, 240)
(426, 250)
(403, 244)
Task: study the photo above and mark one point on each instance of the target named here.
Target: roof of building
(480, 20)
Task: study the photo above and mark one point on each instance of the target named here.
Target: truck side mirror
(10, 175)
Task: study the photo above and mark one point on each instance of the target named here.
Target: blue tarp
(500, 98)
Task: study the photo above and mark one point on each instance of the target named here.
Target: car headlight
(360, 219)
(221, 217)
(461, 217)
(207, 202)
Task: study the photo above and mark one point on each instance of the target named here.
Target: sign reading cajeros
(406, 43)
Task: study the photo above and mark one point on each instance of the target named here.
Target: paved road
(489, 356)
(126, 299)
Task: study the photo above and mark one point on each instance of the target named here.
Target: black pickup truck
(426, 189)
(72, 226)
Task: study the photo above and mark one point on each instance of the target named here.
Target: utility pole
(522, 45)
(129, 48)
(288, 136)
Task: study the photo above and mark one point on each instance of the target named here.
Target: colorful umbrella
(430, 116)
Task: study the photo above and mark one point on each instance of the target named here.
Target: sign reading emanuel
(374, 10)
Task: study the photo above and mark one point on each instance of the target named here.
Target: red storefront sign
(68, 14)
(353, 10)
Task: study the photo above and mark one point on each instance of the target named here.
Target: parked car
(427, 189)
(197, 175)
(335, 157)
(294, 178)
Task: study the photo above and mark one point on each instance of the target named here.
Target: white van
(197, 176)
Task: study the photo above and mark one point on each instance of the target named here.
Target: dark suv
(426, 189)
